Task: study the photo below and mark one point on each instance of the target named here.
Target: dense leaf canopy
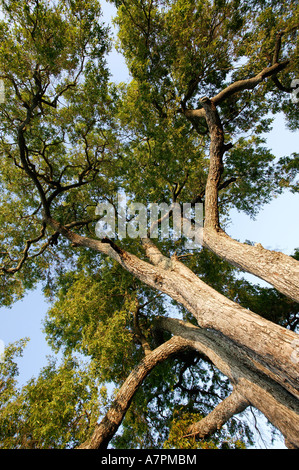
(71, 138)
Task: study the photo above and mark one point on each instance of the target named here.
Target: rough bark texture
(217, 149)
(271, 345)
(251, 386)
(236, 87)
(255, 354)
(278, 269)
(262, 392)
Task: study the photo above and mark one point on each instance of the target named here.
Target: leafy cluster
(69, 138)
(58, 409)
(179, 431)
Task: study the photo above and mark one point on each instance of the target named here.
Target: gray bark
(229, 407)
(254, 386)
(270, 345)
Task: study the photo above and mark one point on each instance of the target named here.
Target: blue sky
(276, 227)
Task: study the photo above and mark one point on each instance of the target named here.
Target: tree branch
(217, 149)
(253, 386)
(173, 278)
(105, 431)
(229, 407)
(240, 85)
(138, 332)
(26, 251)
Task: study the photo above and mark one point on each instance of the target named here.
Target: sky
(276, 227)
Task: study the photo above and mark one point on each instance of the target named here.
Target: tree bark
(265, 368)
(280, 270)
(240, 85)
(217, 149)
(271, 345)
(232, 405)
(252, 384)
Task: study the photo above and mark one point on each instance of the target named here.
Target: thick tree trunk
(255, 387)
(272, 346)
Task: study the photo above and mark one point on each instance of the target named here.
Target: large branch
(241, 325)
(107, 428)
(270, 344)
(25, 253)
(262, 364)
(253, 386)
(239, 85)
(229, 407)
(217, 149)
(276, 268)
(280, 270)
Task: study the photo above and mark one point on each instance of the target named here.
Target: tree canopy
(206, 81)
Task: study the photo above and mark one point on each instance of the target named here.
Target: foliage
(70, 138)
(179, 430)
(57, 409)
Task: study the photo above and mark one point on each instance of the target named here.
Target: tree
(204, 75)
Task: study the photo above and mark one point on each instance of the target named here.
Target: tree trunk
(254, 386)
(272, 346)
(278, 269)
